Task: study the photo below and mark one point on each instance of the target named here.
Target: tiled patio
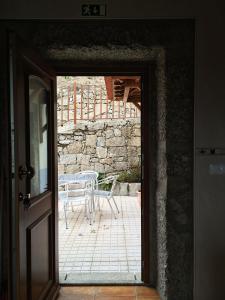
(109, 251)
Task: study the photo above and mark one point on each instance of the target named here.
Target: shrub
(104, 186)
(133, 175)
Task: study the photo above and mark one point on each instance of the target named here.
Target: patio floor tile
(109, 245)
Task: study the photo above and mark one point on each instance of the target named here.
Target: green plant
(101, 176)
(104, 186)
(133, 175)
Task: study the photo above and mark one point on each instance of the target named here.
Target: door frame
(147, 71)
(148, 144)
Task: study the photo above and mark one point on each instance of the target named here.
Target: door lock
(26, 171)
(25, 198)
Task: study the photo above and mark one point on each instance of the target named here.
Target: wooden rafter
(124, 88)
(138, 105)
(126, 94)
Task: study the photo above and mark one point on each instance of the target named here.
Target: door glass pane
(38, 100)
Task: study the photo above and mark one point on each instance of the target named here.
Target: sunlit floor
(108, 293)
(109, 251)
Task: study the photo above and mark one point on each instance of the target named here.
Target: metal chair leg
(111, 208)
(99, 203)
(115, 204)
(93, 207)
(86, 207)
(65, 205)
(72, 206)
(89, 202)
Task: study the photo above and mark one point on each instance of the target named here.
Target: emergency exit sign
(93, 10)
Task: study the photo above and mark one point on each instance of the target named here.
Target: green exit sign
(93, 10)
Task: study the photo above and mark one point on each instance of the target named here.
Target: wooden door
(34, 107)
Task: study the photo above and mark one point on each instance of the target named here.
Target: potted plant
(139, 197)
(132, 179)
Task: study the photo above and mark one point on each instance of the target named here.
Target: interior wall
(209, 97)
(74, 43)
(171, 47)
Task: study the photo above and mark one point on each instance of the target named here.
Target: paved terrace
(109, 251)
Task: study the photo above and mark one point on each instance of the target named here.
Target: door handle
(25, 198)
(26, 171)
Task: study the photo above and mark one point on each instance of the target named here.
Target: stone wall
(104, 146)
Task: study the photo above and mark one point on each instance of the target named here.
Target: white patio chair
(63, 196)
(108, 195)
(89, 178)
(77, 200)
(82, 195)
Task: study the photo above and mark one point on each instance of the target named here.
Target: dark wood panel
(39, 260)
(148, 144)
(6, 254)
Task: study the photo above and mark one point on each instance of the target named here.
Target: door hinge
(142, 265)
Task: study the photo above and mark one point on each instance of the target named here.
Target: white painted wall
(209, 100)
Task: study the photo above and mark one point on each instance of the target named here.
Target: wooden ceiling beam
(127, 83)
(138, 105)
(123, 88)
(126, 94)
(126, 77)
(129, 99)
(109, 87)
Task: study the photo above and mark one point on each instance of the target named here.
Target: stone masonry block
(99, 168)
(89, 150)
(75, 147)
(117, 151)
(101, 152)
(121, 166)
(91, 140)
(135, 141)
(116, 141)
(70, 169)
(68, 159)
(109, 133)
(85, 159)
(61, 169)
(109, 168)
(117, 132)
(100, 141)
(106, 161)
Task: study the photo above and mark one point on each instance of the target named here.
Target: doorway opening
(99, 179)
